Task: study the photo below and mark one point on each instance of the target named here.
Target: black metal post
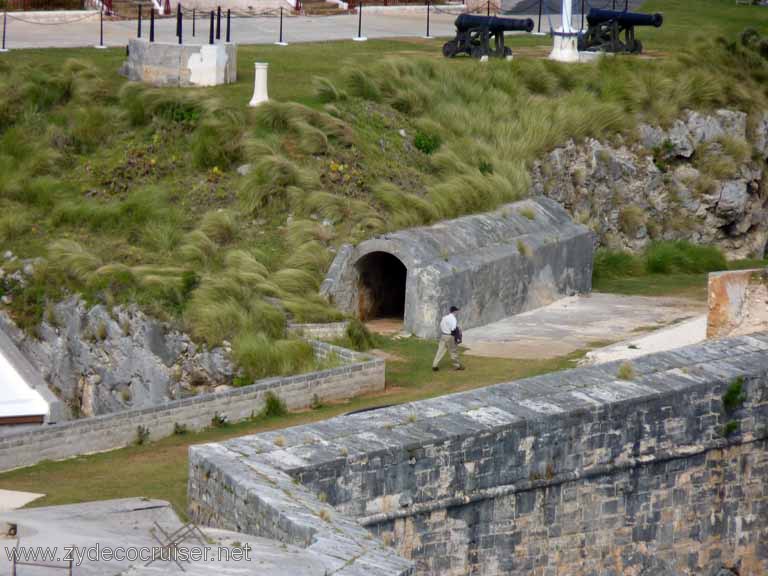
(152, 24)
(626, 5)
(614, 5)
(5, 21)
(228, 26)
(101, 25)
(360, 19)
(428, 6)
(193, 22)
(218, 23)
(540, 3)
(178, 19)
(488, 9)
(281, 25)
(210, 36)
(181, 25)
(139, 30)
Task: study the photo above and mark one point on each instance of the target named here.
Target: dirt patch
(385, 326)
(388, 356)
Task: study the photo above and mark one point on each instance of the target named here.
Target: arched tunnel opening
(381, 287)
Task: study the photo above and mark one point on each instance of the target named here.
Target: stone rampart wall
(579, 472)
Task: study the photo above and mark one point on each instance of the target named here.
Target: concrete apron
(578, 323)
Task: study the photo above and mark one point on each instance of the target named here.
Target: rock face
(698, 180)
(99, 361)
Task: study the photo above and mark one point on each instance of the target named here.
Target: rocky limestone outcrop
(99, 360)
(701, 179)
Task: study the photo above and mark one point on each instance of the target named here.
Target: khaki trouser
(447, 342)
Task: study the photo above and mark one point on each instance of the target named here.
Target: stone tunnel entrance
(381, 286)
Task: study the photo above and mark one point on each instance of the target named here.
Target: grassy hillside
(132, 194)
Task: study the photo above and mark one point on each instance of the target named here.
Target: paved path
(576, 323)
(263, 30)
(684, 333)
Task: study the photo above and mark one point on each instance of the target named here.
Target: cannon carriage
(606, 26)
(475, 33)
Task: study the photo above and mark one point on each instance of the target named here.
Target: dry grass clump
(626, 371)
(631, 219)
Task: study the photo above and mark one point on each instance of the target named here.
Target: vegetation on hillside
(132, 194)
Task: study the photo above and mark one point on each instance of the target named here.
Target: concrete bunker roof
(469, 234)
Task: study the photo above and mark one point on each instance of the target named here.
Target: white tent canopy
(16, 397)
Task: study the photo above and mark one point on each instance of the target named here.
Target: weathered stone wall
(492, 266)
(162, 64)
(363, 374)
(738, 303)
(700, 179)
(575, 473)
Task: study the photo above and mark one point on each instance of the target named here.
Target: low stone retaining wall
(362, 374)
(319, 331)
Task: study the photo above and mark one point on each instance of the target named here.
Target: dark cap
(454, 309)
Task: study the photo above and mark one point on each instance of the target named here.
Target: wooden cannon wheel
(450, 49)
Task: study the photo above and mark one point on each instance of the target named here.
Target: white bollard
(566, 39)
(260, 94)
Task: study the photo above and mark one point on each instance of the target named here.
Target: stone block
(163, 64)
(737, 302)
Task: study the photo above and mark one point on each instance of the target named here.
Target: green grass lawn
(159, 469)
(685, 19)
(681, 285)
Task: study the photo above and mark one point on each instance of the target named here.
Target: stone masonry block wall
(328, 331)
(576, 472)
(738, 303)
(360, 375)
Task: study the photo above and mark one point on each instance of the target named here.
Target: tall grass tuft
(359, 335)
(218, 140)
(220, 226)
(259, 356)
(70, 257)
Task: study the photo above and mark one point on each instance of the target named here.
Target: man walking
(450, 338)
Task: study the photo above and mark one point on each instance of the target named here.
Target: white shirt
(448, 324)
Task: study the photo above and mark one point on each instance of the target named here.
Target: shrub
(426, 143)
(615, 264)
(274, 407)
(734, 396)
(528, 212)
(180, 429)
(682, 256)
(359, 335)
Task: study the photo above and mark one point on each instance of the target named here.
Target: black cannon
(474, 34)
(605, 27)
